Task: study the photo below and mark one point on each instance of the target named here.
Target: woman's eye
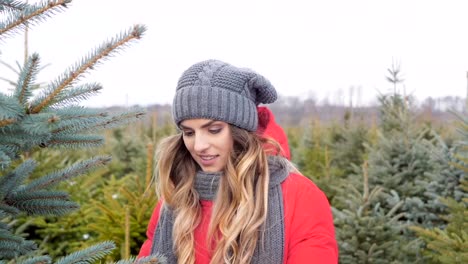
(215, 131)
(188, 133)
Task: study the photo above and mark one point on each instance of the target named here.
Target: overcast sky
(306, 48)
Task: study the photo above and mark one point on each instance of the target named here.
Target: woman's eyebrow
(183, 127)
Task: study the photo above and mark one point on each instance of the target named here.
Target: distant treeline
(293, 111)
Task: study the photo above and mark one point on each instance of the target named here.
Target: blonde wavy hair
(240, 208)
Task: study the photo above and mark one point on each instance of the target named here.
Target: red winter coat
(309, 230)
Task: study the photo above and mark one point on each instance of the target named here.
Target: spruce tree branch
(9, 108)
(13, 179)
(27, 76)
(6, 122)
(76, 94)
(76, 169)
(37, 260)
(8, 209)
(365, 195)
(74, 112)
(38, 195)
(10, 249)
(119, 119)
(3, 214)
(75, 119)
(74, 127)
(6, 235)
(395, 208)
(46, 207)
(38, 124)
(9, 5)
(102, 53)
(74, 141)
(88, 255)
(5, 160)
(36, 13)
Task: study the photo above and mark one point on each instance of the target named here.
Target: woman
(228, 192)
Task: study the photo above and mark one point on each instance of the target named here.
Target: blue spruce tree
(50, 119)
(402, 163)
(366, 232)
(449, 243)
(401, 171)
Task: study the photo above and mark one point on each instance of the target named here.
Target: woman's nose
(201, 143)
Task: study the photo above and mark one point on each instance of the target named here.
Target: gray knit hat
(216, 90)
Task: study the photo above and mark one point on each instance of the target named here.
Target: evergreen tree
(348, 145)
(401, 165)
(445, 179)
(314, 158)
(50, 119)
(366, 232)
(112, 193)
(449, 244)
(400, 162)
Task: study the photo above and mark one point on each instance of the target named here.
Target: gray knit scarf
(269, 250)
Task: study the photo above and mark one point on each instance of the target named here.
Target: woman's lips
(207, 160)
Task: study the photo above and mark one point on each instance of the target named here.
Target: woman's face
(208, 141)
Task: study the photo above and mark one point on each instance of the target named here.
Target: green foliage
(348, 144)
(88, 255)
(394, 113)
(50, 232)
(400, 164)
(450, 244)
(327, 153)
(122, 213)
(45, 135)
(117, 210)
(393, 106)
(128, 150)
(112, 193)
(19, 14)
(312, 157)
(367, 232)
(409, 167)
(49, 118)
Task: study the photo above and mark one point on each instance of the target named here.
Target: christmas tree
(366, 232)
(400, 162)
(404, 175)
(449, 244)
(51, 118)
